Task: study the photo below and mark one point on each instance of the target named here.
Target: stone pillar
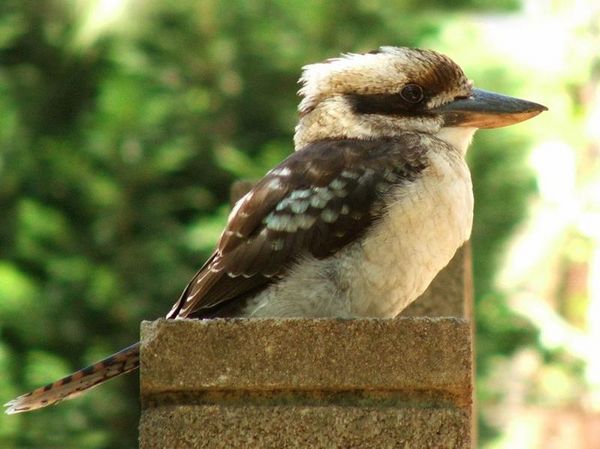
(306, 383)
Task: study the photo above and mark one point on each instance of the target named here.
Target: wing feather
(318, 200)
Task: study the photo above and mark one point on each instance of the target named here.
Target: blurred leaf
(119, 141)
(17, 289)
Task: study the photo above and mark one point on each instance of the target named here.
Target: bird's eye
(412, 93)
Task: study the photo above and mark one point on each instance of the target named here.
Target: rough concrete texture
(306, 383)
(314, 427)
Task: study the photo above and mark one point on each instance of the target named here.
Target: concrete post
(325, 383)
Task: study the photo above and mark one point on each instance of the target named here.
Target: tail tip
(13, 407)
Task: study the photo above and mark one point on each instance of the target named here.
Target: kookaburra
(357, 222)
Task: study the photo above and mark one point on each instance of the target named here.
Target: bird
(356, 222)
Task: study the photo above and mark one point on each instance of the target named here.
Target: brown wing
(315, 202)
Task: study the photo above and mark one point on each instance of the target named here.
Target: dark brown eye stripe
(386, 104)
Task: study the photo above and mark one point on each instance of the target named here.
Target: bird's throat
(459, 137)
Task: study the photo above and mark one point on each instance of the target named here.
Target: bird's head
(394, 90)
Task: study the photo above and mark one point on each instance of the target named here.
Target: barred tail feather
(80, 381)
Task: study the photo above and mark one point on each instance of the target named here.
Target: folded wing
(317, 201)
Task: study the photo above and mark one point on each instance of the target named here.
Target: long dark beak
(485, 109)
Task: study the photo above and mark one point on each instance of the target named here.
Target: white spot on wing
(337, 184)
(282, 171)
(274, 183)
(283, 204)
(300, 194)
(324, 193)
(243, 200)
(317, 202)
(329, 216)
(283, 222)
(299, 207)
(367, 174)
(350, 174)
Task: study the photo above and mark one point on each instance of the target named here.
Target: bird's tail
(74, 384)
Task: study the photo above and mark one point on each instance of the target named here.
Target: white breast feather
(422, 230)
(426, 222)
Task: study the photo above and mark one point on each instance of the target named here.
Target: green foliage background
(117, 150)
